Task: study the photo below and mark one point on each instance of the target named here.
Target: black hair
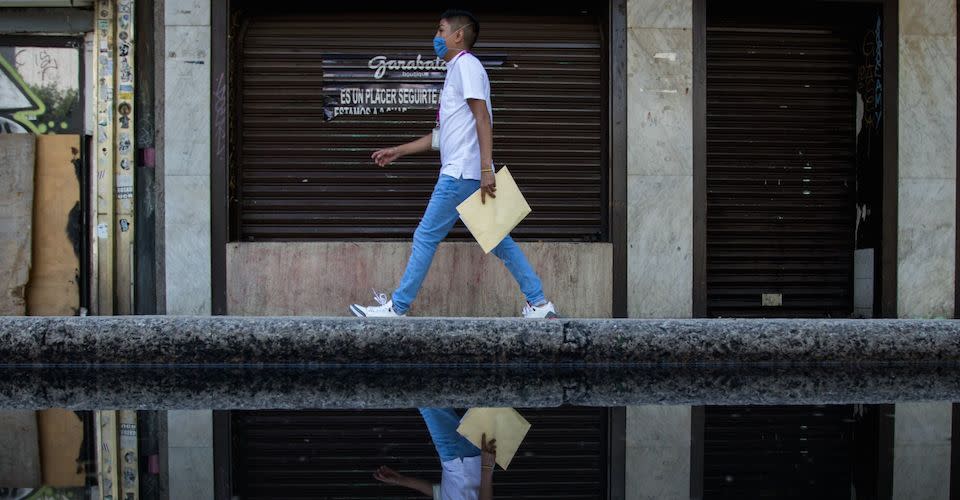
(466, 20)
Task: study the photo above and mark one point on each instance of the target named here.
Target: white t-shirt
(460, 480)
(459, 144)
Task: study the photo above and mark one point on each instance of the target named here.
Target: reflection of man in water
(467, 471)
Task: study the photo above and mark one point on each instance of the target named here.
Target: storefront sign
(384, 84)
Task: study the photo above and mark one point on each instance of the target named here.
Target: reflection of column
(921, 451)
(106, 422)
(190, 454)
(658, 458)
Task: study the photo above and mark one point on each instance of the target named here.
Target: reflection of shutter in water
(802, 452)
(302, 163)
(332, 454)
(780, 166)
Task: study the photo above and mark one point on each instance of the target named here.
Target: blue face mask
(440, 46)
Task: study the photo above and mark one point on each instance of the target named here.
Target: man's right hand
(384, 157)
(387, 475)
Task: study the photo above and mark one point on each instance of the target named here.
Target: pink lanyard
(449, 65)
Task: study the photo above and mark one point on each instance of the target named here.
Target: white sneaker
(546, 311)
(384, 310)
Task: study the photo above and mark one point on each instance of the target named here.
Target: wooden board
(322, 279)
(54, 289)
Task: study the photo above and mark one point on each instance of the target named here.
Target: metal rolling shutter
(781, 110)
(298, 177)
(332, 454)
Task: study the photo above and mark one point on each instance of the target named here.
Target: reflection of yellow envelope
(490, 223)
(503, 424)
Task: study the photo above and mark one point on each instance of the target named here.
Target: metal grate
(781, 111)
(299, 177)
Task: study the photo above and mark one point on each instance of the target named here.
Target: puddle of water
(575, 452)
(616, 431)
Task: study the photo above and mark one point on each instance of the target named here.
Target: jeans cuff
(537, 300)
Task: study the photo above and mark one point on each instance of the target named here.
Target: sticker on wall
(124, 109)
(123, 145)
(103, 231)
(126, 72)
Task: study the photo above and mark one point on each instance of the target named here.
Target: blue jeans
(439, 218)
(442, 424)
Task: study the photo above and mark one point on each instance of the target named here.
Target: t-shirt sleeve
(473, 78)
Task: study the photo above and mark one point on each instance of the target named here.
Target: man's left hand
(488, 186)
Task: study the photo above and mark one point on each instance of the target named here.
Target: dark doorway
(782, 162)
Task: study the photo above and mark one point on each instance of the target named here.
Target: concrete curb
(305, 340)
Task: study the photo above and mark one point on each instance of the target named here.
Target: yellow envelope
(490, 223)
(505, 425)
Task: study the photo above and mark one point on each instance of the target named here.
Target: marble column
(660, 158)
(658, 452)
(185, 164)
(927, 158)
(186, 156)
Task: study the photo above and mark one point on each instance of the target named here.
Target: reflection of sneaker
(545, 311)
(384, 310)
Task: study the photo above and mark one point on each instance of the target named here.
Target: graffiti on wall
(870, 77)
(869, 133)
(19, 106)
(40, 90)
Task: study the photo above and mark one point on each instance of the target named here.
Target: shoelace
(381, 298)
(528, 309)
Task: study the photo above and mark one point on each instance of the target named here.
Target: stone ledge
(417, 341)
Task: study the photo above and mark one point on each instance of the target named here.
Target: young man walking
(465, 135)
